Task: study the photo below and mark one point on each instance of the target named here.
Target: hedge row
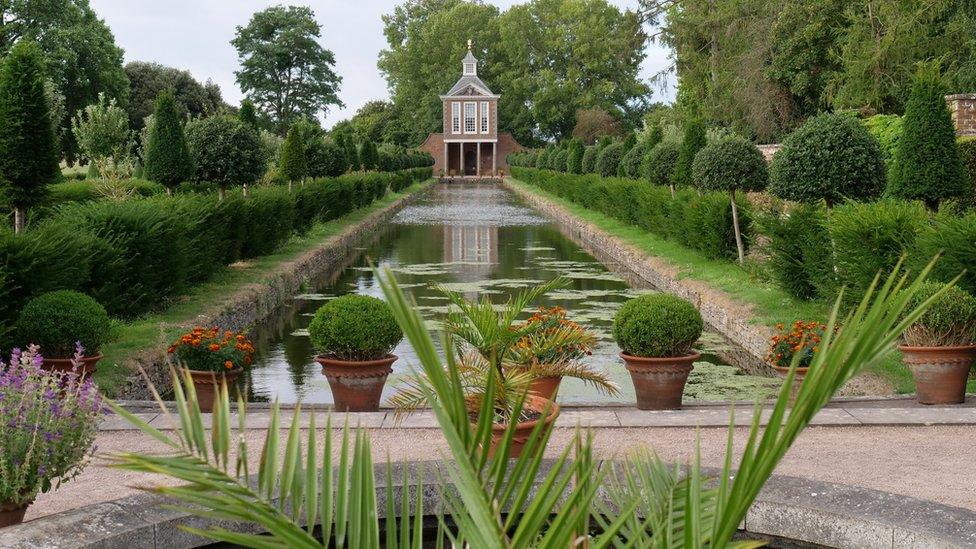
(702, 221)
(135, 255)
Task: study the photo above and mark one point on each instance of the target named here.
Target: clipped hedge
(799, 251)
(135, 255)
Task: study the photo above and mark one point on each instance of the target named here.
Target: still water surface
(477, 239)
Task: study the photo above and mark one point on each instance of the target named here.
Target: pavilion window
(470, 116)
(484, 117)
(456, 117)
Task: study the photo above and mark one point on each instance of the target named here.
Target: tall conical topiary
(248, 115)
(694, 141)
(292, 164)
(28, 146)
(369, 155)
(574, 158)
(167, 157)
(927, 165)
(349, 148)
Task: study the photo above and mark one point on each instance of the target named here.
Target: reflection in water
(477, 239)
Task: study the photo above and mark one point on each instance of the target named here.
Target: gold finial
(469, 44)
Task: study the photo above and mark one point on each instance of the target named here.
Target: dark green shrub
(574, 157)
(629, 143)
(248, 115)
(657, 325)
(955, 237)
(949, 321)
(542, 159)
(967, 153)
(927, 165)
(887, 129)
(325, 158)
(292, 162)
(589, 159)
(225, 151)
(830, 157)
(630, 165)
(694, 140)
(800, 252)
(57, 320)
(560, 160)
(167, 158)
(608, 159)
(730, 164)
(661, 162)
(871, 237)
(355, 327)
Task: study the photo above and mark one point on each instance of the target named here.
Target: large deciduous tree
(284, 69)
(79, 50)
(28, 148)
(148, 80)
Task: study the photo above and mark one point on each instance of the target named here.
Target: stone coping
(839, 412)
(821, 513)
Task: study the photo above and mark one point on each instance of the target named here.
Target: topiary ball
(661, 162)
(57, 320)
(355, 327)
(950, 320)
(732, 163)
(830, 157)
(657, 325)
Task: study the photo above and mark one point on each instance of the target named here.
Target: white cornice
(446, 97)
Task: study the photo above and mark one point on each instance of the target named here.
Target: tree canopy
(284, 69)
(148, 80)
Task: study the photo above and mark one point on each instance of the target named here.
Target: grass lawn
(771, 305)
(157, 330)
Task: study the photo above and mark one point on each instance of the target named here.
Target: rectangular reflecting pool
(477, 239)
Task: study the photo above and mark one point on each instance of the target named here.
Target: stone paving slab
(914, 416)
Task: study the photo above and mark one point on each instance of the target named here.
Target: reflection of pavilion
(474, 245)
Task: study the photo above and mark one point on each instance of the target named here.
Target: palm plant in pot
(355, 336)
(488, 334)
(940, 347)
(50, 420)
(556, 349)
(209, 356)
(656, 333)
(68, 326)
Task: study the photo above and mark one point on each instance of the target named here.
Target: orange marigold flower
(229, 365)
(214, 347)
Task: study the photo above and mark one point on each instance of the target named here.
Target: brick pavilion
(470, 144)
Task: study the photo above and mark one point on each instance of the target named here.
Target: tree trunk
(672, 190)
(18, 220)
(290, 183)
(738, 234)
(169, 191)
(245, 190)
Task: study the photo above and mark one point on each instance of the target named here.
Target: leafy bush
(589, 159)
(630, 165)
(355, 327)
(830, 157)
(657, 325)
(57, 320)
(167, 156)
(927, 164)
(887, 129)
(871, 237)
(799, 251)
(730, 164)
(325, 158)
(954, 236)
(225, 151)
(661, 162)
(967, 153)
(560, 160)
(609, 159)
(574, 157)
(949, 321)
(694, 140)
(292, 162)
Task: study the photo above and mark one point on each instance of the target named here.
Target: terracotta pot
(659, 382)
(800, 372)
(546, 387)
(86, 369)
(524, 429)
(357, 386)
(205, 383)
(940, 372)
(12, 514)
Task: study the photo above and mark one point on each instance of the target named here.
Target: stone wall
(962, 108)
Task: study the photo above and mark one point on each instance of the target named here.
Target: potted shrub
(940, 347)
(803, 339)
(656, 333)
(555, 349)
(50, 421)
(488, 334)
(64, 324)
(355, 336)
(210, 356)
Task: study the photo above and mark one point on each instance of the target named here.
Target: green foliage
(661, 162)
(348, 145)
(576, 150)
(870, 238)
(693, 141)
(148, 80)
(927, 165)
(630, 165)
(167, 157)
(589, 159)
(355, 327)
(102, 132)
(657, 325)
(58, 320)
(887, 129)
(292, 163)
(285, 40)
(608, 159)
(954, 236)
(370, 155)
(730, 164)
(325, 158)
(800, 250)
(950, 319)
(830, 157)
(560, 160)
(248, 114)
(225, 151)
(967, 153)
(28, 150)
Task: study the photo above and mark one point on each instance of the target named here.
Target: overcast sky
(195, 35)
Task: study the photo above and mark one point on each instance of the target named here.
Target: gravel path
(931, 462)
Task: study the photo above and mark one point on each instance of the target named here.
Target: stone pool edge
(254, 302)
(737, 326)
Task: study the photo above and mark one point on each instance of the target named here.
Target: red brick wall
(962, 107)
